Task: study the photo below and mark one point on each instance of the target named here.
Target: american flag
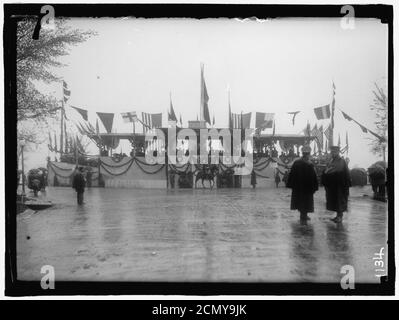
(322, 112)
(328, 132)
(319, 136)
(241, 121)
(151, 120)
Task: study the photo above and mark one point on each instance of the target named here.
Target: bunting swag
(322, 112)
(82, 112)
(264, 120)
(107, 119)
(363, 128)
(293, 116)
(140, 164)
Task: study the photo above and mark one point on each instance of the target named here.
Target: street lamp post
(22, 144)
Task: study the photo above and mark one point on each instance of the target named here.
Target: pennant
(293, 116)
(364, 129)
(204, 99)
(382, 139)
(346, 116)
(82, 112)
(230, 115)
(322, 112)
(107, 119)
(129, 116)
(171, 113)
(264, 120)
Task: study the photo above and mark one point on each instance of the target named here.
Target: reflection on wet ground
(198, 235)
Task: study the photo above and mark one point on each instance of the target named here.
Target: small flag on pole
(129, 116)
(82, 112)
(293, 116)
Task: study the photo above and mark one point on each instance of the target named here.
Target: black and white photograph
(199, 148)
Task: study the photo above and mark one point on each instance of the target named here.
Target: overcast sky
(276, 66)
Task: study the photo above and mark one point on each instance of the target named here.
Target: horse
(209, 173)
(35, 180)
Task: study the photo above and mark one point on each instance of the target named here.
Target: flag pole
(332, 114)
(202, 93)
(62, 120)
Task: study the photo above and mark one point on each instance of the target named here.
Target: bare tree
(380, 107)
(35, 60)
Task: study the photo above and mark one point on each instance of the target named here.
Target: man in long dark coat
(79, 184)
(302, 180)
(336, 180)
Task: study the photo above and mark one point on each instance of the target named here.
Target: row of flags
(263, 120)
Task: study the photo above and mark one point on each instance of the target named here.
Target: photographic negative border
(12, 12)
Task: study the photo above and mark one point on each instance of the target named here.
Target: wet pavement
(198, 235)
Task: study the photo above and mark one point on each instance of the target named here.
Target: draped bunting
(107, 119)
(125, 166)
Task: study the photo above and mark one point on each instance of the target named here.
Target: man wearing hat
(302, 179)
(336, 180)
(79, 183)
